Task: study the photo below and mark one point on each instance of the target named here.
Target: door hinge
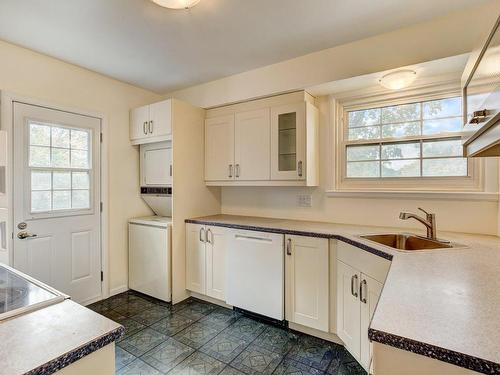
(101, 206)
(101, 137)
(102, 276)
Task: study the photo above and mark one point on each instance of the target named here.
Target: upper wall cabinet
(267, 142)
(151, 123)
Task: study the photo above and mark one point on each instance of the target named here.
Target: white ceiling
(138, 42)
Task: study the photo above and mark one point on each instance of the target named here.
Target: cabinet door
(160, 118)
(369, 294)
(216, 263)
(195, 258)
(348, 307)
(307, 284)
(288, 141)
(252, 153)
(156, 165)
(219, 148)
(139, 121)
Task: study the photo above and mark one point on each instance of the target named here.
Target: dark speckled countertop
(443, 304)
(46, 340)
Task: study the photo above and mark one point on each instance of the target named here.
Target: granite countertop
(47, 340)
(444, 303)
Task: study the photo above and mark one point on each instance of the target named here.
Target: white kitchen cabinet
(360, 278)
(370, 290)
(266, 142)
(219, 148)
(252, 145)
(206, 260)
(151, 123)
(307, 284)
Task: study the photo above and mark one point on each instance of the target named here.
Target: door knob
(22, 235)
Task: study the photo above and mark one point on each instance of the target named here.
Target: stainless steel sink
(406, 241)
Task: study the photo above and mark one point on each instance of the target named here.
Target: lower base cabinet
(206, 260)
(307, 281)
(360, 277)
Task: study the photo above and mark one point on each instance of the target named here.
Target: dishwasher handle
(252, 238)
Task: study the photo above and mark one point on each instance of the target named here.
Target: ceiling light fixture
(398, 79)
(176, 4)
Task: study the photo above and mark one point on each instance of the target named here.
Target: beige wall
(34, 75)
(461, 216)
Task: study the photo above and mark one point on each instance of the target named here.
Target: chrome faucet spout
(429, 221)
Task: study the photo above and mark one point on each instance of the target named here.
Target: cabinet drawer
(370, 264)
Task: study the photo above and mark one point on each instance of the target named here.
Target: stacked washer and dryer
(150, 237)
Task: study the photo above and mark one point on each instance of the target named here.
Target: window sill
(441, 195)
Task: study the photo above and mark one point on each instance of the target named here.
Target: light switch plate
(304, 200)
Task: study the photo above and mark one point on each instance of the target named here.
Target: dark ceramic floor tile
(228, 370)
(344, 363)
(289, 367)
(120, 299)
(172, 324)
(152, 315)
(167, 355)
(122, 358)
(198, 364)
(256, 360)
(221, 316)
(197, 334)
(98, 307)
(246, 328)
(277, 340)
(131, 326)
(112, 314)
(196, 310)
(134, 307)
(142, 342)
(138, 367)
(225, 347)
(313, 352)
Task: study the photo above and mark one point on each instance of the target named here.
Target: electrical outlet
(304, 200)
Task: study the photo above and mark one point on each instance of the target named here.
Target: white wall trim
(440, 195)
(118, 290)
(7, 100)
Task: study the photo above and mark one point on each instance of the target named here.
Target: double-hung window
(418, 140)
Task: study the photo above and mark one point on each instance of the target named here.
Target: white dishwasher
(255, 269)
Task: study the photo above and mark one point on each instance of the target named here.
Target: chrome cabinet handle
(144, 130)
(237, 170)
(363, 299)
(203, 237)
(230, 171)
(299, 168)
(353, 289)
(22, 235)
(170, 170)
(209, 238)
(150, 127)
(289, 247)
(479, 116)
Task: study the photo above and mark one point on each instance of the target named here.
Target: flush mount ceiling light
(176, 4)
(398, 79)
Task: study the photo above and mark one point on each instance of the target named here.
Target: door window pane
(60, 158)
(80, 199)
(80, 180)
(41, 180)
(61, 199)
(39, 135)
(79, 140)
(61, 180)
(39, 156)
(60, 137)
(41, 201)
(79, 159)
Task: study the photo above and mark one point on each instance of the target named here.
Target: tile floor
(198, 338)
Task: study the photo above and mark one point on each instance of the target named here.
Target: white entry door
(57, 236)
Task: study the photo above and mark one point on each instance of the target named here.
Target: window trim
(418, 186)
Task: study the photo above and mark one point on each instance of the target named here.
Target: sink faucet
(429, 221)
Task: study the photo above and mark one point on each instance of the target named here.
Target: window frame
(28, 169)
(340, 183)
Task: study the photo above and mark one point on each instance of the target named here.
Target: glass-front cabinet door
(288, 139)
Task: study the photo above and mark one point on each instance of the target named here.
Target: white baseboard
(314, 332)
(211, 300)
(118, 290)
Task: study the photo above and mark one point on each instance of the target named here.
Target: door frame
(7, 100)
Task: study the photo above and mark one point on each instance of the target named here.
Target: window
(59, 166)
(414, 140)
